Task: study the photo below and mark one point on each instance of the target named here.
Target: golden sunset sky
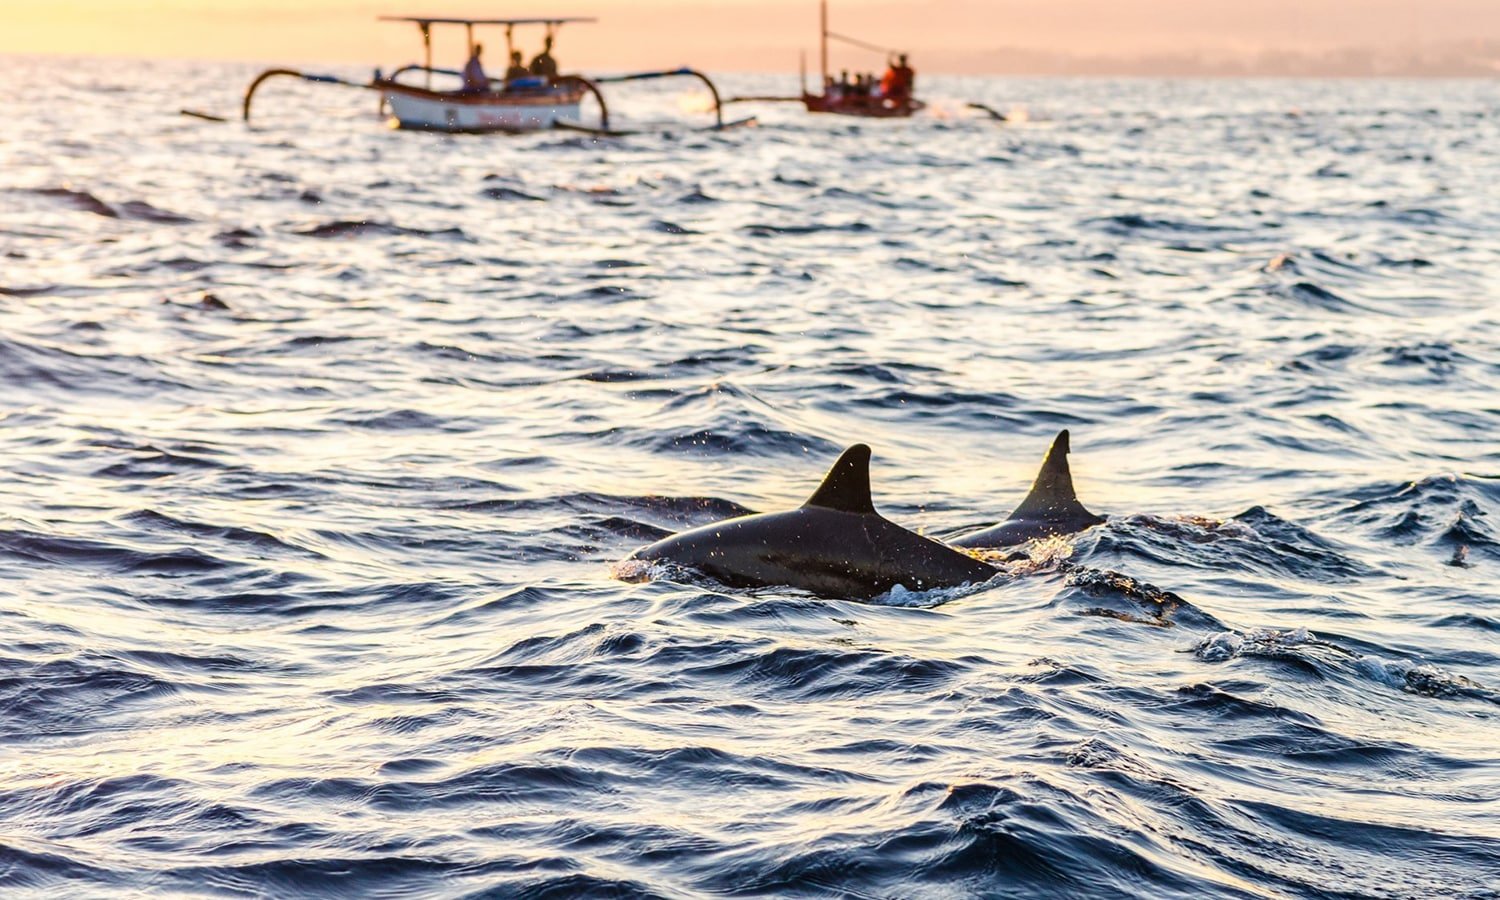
(971, 36)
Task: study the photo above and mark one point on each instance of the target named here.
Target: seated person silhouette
(517, 69)
(475, 81)
(543, 65)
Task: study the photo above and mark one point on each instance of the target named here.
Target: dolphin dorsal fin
(846, 487)
(1052, 496)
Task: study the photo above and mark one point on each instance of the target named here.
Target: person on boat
(543, 64)
(517, 68)
(899, 79)
(475, 81)
(890, 80)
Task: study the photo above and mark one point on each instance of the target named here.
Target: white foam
(1219, 647)
(1229, 644)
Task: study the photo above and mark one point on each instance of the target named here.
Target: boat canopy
(425, 23)
(436, 20)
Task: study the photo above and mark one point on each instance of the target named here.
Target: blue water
(321, 441)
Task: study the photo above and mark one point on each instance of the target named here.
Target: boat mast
(823, 28)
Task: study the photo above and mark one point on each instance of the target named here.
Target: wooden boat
(511, 105)
(839, 97)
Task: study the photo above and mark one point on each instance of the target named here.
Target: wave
(1255, 541)
(134, 210)
(1319, 658)
(358, 228)
(1447, 513)
(767, 231)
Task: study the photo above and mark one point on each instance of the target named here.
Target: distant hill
(1477, 58)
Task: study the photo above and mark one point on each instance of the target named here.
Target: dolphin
(834, 545)
(1051, 508)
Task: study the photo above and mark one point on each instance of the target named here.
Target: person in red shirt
(899, 80)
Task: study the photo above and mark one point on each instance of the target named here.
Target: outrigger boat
(521, 104)
(511, 105)
(841, 98)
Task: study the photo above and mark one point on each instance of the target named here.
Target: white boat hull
(472, 113)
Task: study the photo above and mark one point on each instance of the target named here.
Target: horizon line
(1211, 69)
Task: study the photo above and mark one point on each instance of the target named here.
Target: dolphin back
(1052, 506)
(834, 545)
(846, 487)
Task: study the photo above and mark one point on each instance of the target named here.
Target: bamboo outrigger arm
(994, 113)
(766, 99)
(670, 73)
(592, 88)
(416, 67)
(292, 73)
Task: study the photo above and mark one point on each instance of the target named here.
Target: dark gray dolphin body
(1051, 508)
(834, 545)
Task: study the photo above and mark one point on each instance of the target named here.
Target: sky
(959, 36)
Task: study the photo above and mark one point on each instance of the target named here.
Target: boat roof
(439, 20)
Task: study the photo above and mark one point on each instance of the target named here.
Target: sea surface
(322, 440)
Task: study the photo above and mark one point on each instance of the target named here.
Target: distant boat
(508, 105)
(841, 97)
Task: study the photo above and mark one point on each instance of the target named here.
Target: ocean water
(321, 440)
